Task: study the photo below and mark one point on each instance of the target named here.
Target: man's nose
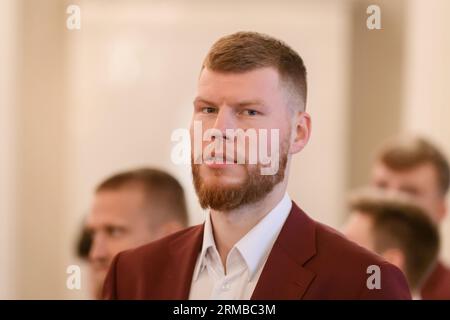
(225, 120)
(99, 249)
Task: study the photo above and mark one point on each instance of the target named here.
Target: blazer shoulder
(334, 244)
(158, 249)
(360, 273)
(136, 273)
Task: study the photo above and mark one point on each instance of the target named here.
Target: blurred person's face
(119, 220)
(250, 100)
(359, 229)
(420, 183)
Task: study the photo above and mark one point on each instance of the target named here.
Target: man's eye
(115, 232)
(381, 184)
(208, 110)
(249, 112)
(410, 191)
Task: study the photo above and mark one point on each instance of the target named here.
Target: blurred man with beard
(130, 209)
(255, 242)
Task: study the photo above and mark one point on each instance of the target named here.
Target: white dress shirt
(244, 262)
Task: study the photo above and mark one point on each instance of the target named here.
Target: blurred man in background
(415, 167)
(129, 209)
(398, 230)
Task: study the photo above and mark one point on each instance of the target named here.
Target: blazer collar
(283, 276)
(184, 252)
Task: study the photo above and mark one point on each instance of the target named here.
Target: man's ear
(396, 257)
(442, 210)
(301, 131)
(167, 229)
(173, 226)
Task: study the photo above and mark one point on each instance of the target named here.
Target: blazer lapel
(184, 252)
(283, 276)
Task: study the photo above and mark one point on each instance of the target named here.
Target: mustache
(219, 157)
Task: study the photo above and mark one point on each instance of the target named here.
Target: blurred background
(79, 105)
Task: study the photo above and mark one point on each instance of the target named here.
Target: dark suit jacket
(437, 286)
(308, 261)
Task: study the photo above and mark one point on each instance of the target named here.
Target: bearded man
(255, 243)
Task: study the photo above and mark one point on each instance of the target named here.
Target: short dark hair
(399, 223)
(407, 152)
(162, 190)
(246, 51)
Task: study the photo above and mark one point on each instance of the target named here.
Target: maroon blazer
(437, 286)
(308, 261)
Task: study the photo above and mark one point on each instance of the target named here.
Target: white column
(427, 76)
(7, 150)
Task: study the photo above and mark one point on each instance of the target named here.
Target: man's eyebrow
(241, 104)
(201, 100)
(250, 103)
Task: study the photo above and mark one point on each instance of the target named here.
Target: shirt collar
(208, 242)
(256, 245)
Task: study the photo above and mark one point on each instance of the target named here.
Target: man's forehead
(117, 203)
(421, 178)
(260, 86)
(98, 219)
(261, 77)
(420, 171)
(125, 194)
